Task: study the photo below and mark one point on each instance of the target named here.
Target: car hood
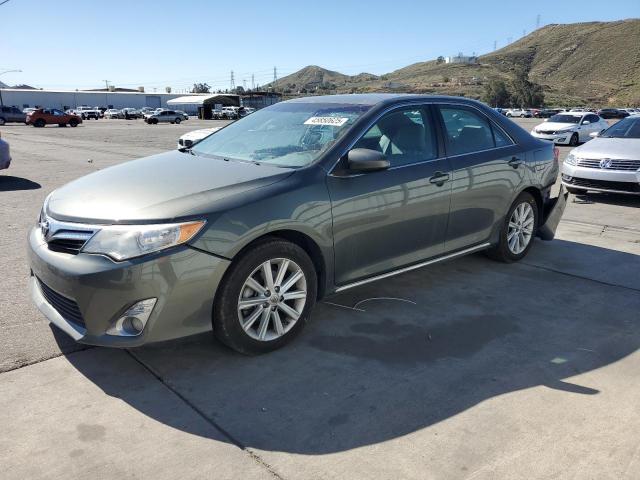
(199, 134)
(555, 126)
(618, 148)
(158, 188)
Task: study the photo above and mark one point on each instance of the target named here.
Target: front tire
(177, 121)
(518, 230)
(265, 298)
(39, 123)
(574, 140)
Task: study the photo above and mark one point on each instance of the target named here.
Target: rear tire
(518, 230)
(39, 123)
(73, 123)
(268, 320)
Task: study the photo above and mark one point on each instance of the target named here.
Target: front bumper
(559, 138)
(601, 179)
(183, 280)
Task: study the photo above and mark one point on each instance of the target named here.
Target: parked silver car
(170, 116)
(11, 114)
(608, 163)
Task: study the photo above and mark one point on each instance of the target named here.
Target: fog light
(133, 321)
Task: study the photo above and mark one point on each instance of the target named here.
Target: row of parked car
(549, 112)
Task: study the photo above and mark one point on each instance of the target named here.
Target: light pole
(2, 73)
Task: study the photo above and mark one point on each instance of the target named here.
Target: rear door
(387, 219)
(487, 169)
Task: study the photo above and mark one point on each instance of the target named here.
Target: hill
(596, 63)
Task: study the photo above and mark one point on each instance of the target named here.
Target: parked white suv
(519, 112)
(88, 112)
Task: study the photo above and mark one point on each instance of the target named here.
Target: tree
(239, 90)
(201, 88)
(496, 94)
(524, 92)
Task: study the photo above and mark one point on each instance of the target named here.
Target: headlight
(122, 242)
(571, 159)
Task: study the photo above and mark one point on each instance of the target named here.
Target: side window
(466, 130)
(593, 118)
(404, 136)
(501, 138)
(6, 109)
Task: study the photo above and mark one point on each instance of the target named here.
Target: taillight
(556, 154)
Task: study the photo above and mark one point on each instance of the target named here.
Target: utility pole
(275, 78)
(253, 82)
(232, 85)
(538, 21)
(106, 84)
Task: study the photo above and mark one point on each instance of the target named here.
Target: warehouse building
(65, 99)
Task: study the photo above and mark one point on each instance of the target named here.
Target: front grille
(65, 306)
(67, 241)
(616, 164)
(547, 132)
(630, 187)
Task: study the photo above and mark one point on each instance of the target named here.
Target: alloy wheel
(272, 299)
(520, 229)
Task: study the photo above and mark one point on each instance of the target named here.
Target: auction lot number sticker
(335, 121)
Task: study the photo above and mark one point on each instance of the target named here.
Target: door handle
(515, 162)
(439, 178)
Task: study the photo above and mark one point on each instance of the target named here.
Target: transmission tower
(495, 45)
(538, 21)
(232, 85)
(253, 82)
(275, 76)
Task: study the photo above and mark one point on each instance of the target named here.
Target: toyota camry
(242, 233)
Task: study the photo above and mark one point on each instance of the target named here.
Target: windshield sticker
(334, 121)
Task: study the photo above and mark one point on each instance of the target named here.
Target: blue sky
(78, 44)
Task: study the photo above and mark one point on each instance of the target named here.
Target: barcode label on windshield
(335, 121)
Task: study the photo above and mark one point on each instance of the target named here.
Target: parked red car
(51, 116)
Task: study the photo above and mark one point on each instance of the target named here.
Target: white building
(462, 59)
(64, 99)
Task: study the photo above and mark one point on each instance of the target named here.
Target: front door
(487, 168)
(388, 219)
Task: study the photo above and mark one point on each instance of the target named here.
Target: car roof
(375, 98)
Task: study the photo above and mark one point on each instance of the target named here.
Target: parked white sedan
(190, 138)
(609, 163)
(570, 128)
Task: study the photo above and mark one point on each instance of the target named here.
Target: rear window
(627, 128)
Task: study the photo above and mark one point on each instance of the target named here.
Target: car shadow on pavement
(608, 199)
(9, 183)
(397, 356)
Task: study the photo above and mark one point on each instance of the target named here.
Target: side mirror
(594, 134)
(188, 143)
(586, 122)
(366, 160)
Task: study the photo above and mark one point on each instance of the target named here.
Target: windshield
(285, 134)
(627, 128)
(565, 118)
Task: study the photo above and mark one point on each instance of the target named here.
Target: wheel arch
(304, 241)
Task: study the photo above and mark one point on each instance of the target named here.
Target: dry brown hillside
(594, 63)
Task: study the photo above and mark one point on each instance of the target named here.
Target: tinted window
(404, 136)
(627, 128)
(501, 138)
(593, 118)
(467, 131)
(6, 109)
(564, 118)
